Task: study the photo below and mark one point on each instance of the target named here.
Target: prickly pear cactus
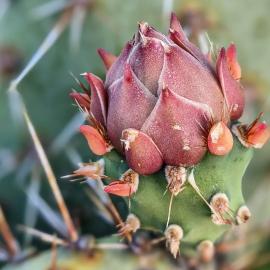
(170, 112)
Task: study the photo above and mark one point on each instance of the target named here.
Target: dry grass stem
(11, 243)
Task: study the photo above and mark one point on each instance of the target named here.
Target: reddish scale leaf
(177, 35)
(119, 188)
(98, 105)
(220, 139)
(142, 154)
(232, 90)
(107, 58)
(258, 135)
(147, 60)
(95, 140)
(82, 99)
(232, 62)
(176, 125)
(130, 103)
(185, 76)
(117, 69)
(176, 26)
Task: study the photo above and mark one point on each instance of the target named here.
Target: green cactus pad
(213, 175)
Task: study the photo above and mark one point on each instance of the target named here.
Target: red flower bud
(165, 89)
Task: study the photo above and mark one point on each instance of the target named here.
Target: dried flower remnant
(132, 224)
(206, 251)
(220, 203)
(176, 178)
(173, 234)
(243, 215)
(92, 170)
(254, 135)
(126, 186)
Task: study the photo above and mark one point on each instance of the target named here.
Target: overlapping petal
(147, 61)
(232, 90)
(142, 154)
(184, 75)
(177, 34)
(116, 70)
(176, 126)
(107, 58)
(130, 103)
(98, 105)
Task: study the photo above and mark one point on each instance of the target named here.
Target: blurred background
(90, 24)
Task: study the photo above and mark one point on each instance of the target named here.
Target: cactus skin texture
(213, 175)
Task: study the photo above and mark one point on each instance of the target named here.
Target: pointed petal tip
(107, 57)
(232, 47)
(174, 23)
(98, 97)
(143, 27)
(91, 78)
(222, 52)
(233, 64)
(81, 98)
(231, 88)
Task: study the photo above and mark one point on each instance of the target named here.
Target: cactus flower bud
(167, 92)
